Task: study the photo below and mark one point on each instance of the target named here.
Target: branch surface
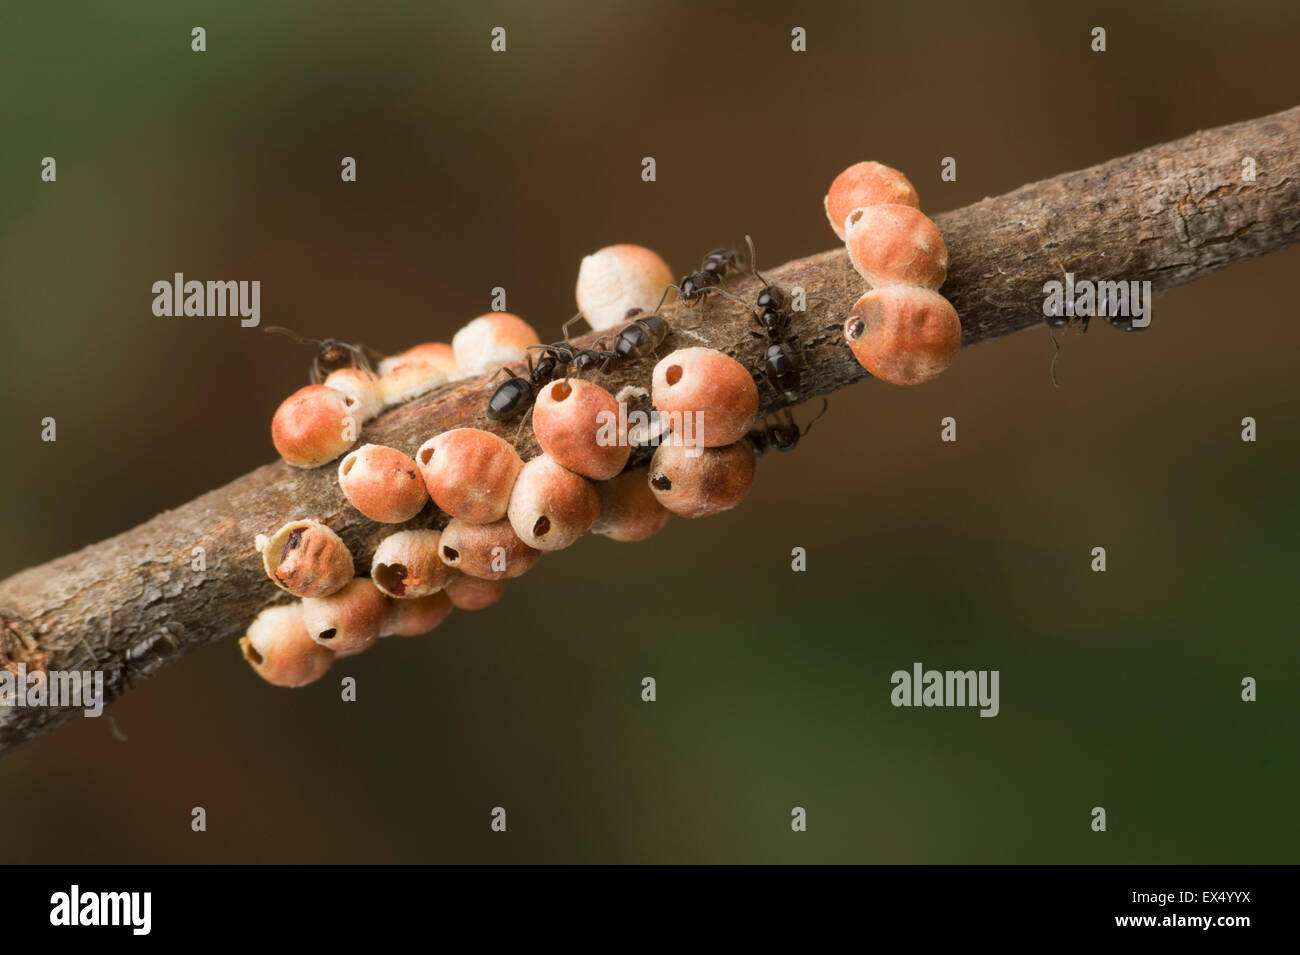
(1169, 214)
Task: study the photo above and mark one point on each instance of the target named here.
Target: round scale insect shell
(313, 426)
(551, 507)
(896, 245)
(487, 551)
(306, 558)
(708, 397)
(469, 473)
(281, 651)
(416, 371)
(903, 335)
(419, 615)
(382, 483)
(866, 184)
(407, 564)
(348, 621)
(439, 354)
(578, 425)
(698, 482)
(362, 387)
(474, 593)
(492, 340)
(616, 279)
(629, 510)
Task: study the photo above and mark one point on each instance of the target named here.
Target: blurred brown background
(476, 170)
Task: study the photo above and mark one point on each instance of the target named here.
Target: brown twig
(1168, 214)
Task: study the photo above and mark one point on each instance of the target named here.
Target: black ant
(331, 354)
(772, 313)
(784, 434)
(639, 337)
(1061, 321)
(643, 334)
(597, 357)
(516, 394)
(716, 266)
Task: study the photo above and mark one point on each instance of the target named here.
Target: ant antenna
(280, 330)
(825, 407)
(558, 349)
(564, 329)
(725, 293)
(663, 298)
(1057, 345)
(753, 261)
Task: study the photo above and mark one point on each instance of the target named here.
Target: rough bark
(1168, 214)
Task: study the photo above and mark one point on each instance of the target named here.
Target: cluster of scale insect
(640, 337)
(780, 363)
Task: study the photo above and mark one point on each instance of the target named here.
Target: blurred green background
(477, 170)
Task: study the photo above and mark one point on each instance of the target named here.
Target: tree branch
(1168, 214)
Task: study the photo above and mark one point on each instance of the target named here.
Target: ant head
(331, 354)
(335, 354)
(771, 298)
(785, 436)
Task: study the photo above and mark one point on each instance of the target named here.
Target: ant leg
(808, 299)
(359, 359)
(522, 422)
(725, 294)
(712, 289)
(498, 374)
(761, 379)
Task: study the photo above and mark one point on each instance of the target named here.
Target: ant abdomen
(782, 368)
(781, 432)
(510, 399)
(641, 337)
